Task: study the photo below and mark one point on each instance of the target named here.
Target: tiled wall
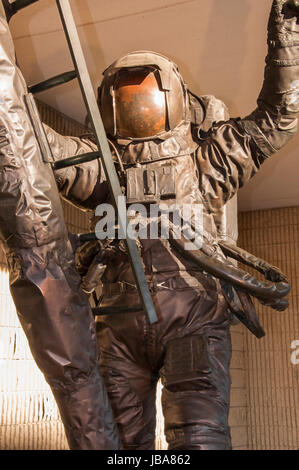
(272, 379)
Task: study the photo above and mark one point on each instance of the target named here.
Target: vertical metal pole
(76, 51)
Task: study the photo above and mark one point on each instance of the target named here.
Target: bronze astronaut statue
(147, 113)
(168, 150)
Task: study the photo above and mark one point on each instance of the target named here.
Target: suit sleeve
(233, 151)
(85, 184)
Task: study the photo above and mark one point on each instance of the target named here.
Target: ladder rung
(76, 160)
(13, 8)
(110, 310)
(53, 82)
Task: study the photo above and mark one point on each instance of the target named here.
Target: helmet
(142, 96)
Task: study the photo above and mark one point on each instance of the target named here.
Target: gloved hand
(283, 19)
(90, 264)
(85, 254)
(280, 92)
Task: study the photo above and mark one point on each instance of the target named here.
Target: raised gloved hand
(283, 25)
(280, 92)
(283, 17)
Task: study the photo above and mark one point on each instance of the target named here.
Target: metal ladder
(81, 74)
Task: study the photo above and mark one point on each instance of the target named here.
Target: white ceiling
(219, 46)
